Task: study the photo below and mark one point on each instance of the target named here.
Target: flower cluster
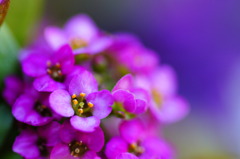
(87, 94)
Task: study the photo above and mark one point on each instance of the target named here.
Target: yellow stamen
(49, 63)
(90, 104)
(74, 96)
(58, 65)
(49, 71)
(133, 146)
(75, 102)
(82, 94)
(80, 111)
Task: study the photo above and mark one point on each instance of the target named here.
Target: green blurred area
(23, 18)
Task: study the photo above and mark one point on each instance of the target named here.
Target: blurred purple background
(201, 40)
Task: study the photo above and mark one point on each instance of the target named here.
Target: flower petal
(115, 146)
(125, 83)
(35, 64)
(102, 102)
(47, 84)
(172, 110)
(90, 155)
(81, 26)
(23, 110)
(126, 156)
(141, 106)
(64, 56)
(25, 144)
(61, 151)
(55, 37)
(88, 124)
(50, 132)
(132, 130)
(67, 132)
(83, 83)
(126, 98)
(60, 102)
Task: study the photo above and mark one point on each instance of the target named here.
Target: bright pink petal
(126, 98)
(64, 56)
(141, 106)
(115, 147)
(83, 83)
(94, 140)
(126, 156)
(125, 83)
(102, 102)
(47, 84)
(25, 144)
(60, 102)
(61, 151)
(132, 130)
(35, 64)
(88, 124)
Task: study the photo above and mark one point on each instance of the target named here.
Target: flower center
(42, 109)
(81, 106)
(157, 97)
(77, 149)
(136, 149)
(77, 43)
(42, 148)
(55, 71)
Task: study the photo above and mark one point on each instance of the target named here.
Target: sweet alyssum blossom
(134, 140)
(49, 69)
(81, 33)
(75, 144)
(82, 102)
(38, 143)
(89, 95)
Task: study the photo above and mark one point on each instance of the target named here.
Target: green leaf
(8, 52)
(11, 155)
(22, 18)
(6, 121)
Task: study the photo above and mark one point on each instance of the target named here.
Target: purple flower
(82, 102)
(129, 52)
(50, 70)
(33, 109)
(135, 143)
(37, 143)
(76, 144)
(81, 33)
(165, 104)
(13, 88)
(131, 99)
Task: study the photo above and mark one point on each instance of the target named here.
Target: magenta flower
(165, 104)
(129, 52)
(76, 144)
(82, 102)
(33, 109)
(135, 141)
(131, 99)
(13, 88)
(81, 33)
(50, 70)
(37, 143)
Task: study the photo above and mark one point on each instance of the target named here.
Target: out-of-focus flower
(132, 55)
(13, 88)
(165, 104)
(134, 140)
(128, 98)
(81, 33)
(37, 143)
(33, 109)
(82, 102)
(50, 70)
(76, 144)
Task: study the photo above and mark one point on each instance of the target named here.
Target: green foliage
(8, 52)
(22, 18)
